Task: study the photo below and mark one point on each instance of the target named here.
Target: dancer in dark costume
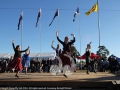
(16, 63)
(88, 54)
(66, 50)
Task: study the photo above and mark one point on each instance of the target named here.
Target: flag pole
(40, 37)
(98, 23)
(79, 34)
(21, 29)
(58, 20)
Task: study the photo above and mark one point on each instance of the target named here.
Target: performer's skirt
(16, 63)
(27, 64)
(65, 60)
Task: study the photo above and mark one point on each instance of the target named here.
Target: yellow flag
(93, 9)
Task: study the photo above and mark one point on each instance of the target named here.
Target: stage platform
(47, 81)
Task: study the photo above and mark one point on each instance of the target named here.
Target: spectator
(100, 63)
(115, 65)
(110, 59)
(95, 65)
(33, 68)
(49, 64)
(105, 65)
(37, 67)
(4, 63)
(44, 64)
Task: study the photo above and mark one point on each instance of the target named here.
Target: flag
(39, 15)
(93, 9)
(20, 19)
(56, 14)
(77, 12)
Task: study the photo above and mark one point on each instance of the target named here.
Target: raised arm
(73, 39)
(58, 37)
(25, 50)
(52, 46)
(29, 51)
(13, 45)
(90, 53)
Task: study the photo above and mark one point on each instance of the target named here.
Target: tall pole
(40, 37)
(58, 20)
(98, 23)
(79, 34)
(21, 29)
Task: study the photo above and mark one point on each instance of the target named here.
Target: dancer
(58, 53)
(66, 50)
(27, 60)
(16, 63)
(58, 50)
(88, 55)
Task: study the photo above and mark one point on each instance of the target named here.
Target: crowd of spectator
(36, 64)
(102, 64)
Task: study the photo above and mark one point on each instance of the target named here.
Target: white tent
(32, 55)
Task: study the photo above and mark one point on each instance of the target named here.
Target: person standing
(88, 54)
(66, 50)
(43, 65)
(17, 61)
(26, 60)
(49, 64)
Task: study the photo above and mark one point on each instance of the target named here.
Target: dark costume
(16, 63)
(88, 57)
(66, 50)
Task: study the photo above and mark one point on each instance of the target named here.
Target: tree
(74, 51)
(103, 51)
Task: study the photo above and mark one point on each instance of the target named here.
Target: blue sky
(109, 12)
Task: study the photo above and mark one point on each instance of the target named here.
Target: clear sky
(109, 12)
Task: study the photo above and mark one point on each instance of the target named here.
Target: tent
(116, 57)
(32, 55)
(92, 56)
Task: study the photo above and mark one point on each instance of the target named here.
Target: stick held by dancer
(66, 50)
(16, 63)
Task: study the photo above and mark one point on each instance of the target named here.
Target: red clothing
(66, 48)
(65, 59)
(16, 63)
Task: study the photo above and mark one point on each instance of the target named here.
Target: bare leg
(26, 70)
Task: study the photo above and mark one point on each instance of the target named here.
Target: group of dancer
(60, 53)
(16, 63)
